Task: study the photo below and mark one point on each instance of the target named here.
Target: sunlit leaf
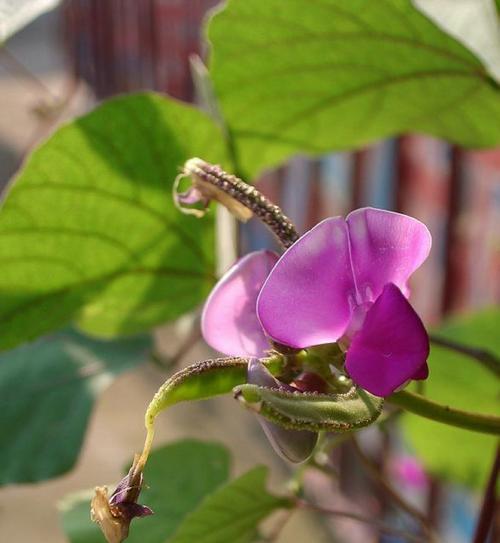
(459, 381)
(47, 391)
(232, 513)
(341, 73)
(89, 232)
(178, 477)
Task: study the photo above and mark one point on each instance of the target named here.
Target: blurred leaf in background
(181, 475)
(233, 513)
(89, 232)
(47, 392)
(458, 455)
(340, 74)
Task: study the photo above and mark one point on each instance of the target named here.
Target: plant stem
(489, 504)
(487, 359)
(375, 474)
(477, 422)
(361, 518)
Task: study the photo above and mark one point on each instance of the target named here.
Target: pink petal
(390, 348)
(386, 248)
(229, 322)
(307, 298)
(410, 472)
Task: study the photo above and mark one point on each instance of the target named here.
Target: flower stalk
(212, 182)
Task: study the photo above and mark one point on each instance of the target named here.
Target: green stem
(490, 361)
(477, 422)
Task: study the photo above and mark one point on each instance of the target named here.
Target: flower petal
(292, 445)
(386, 247)
(308, 296)
(391, 347)
(229, 322)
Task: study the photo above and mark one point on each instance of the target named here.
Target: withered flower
(114, 514)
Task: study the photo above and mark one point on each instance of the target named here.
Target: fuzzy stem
(477, 422)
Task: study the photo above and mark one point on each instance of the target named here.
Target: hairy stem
(484, 357)
(477, 422)
(489, 504)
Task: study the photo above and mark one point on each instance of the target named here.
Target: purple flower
(409, 471)
(343, 281)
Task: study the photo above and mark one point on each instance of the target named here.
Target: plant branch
(489, 504)
(360, 518)
(415, 403)
(375, 474)
(490, 361)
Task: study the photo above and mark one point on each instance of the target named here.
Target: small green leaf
(177, 478)
(89, 232)
(313, 411)
(340, 74)
(459, 381)
(47, 391)
(232, 513)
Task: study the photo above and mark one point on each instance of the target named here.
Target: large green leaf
(89, 232)
(47, 390)
(177, 477)
(459, 455)
(334, 74)
(232, 514)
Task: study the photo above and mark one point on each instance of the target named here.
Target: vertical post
(357, 181)
(454, 265)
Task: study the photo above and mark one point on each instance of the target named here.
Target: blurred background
(60, 62)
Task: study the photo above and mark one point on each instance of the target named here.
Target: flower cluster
(345, 282)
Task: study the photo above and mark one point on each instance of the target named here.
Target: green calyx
(312, 411)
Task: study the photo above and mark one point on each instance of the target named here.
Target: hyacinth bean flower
(343, 281)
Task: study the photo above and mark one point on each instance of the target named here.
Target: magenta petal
(307, 298)
(390, 348)
(229, 322)
(422, 373)
(292, 445)
(386, 248)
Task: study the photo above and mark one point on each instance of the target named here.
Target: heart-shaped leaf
(89, 232)
(337, 74)
(232, 513)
